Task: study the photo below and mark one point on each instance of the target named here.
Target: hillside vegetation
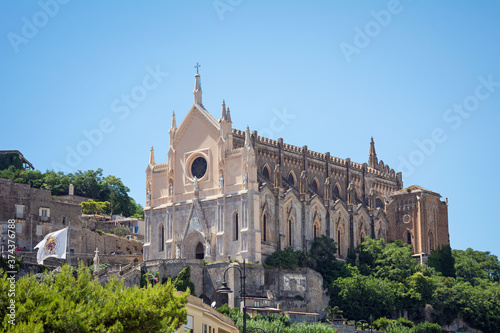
(381, 279)
(89, 184)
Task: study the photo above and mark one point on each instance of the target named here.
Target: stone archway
(193, 245)
(200, 251)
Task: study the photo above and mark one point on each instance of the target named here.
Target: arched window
(336, 191)
(290, 233)
(264, 228)
(431, 241)
(200, 251)
(291, 178)
(408, 237)
(379, 203)
(339, 244)
(315, 231)
(236, 227)
(315, 186)
(265, 172)
(161, 238)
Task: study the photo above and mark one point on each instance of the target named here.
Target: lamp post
(226, 290)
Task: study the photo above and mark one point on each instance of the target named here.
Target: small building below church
(202, 318)
(224, 193)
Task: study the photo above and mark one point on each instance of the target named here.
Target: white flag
(53, 245)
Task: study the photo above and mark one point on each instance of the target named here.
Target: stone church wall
(297, 290)
(283, 195)
(171, 268)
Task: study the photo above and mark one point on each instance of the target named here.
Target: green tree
(391, 260)
(361, 296)
(89, 184)
(381, 323)
(446, 299)
(149, 278)
(471, 266)
(426, 327)
(94, 207)
(183, 281)
(394, 262)
(57, 183)
(333, 312)
(76, 302)
(324, 261)
(117, 193)
(287, 259)
(120, 231)
(420, 288)
(442, 261)
(34, 178)
(351, 258)
(138, 210)
(480, 305)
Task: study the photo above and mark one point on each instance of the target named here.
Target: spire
(197, 89)
(173, 128)
(174, 124)
(372, 160)
(247, 138)
(228, 116)
(223, 113)
(152, 156)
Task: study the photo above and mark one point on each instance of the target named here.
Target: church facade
(230, 194)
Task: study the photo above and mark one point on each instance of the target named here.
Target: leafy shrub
(405, 322)
(426, 328)
(381, 323)
(149, 278)
(73, 301)
(395, 327)
(286, 259)
(183, 280)
(99, 231)
(120, 231)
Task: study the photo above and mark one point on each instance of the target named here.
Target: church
(225, 193)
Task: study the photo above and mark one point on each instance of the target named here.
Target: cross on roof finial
(197, 66)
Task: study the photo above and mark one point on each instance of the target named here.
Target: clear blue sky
(343, 71)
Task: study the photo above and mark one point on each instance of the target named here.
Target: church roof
(208, 115)
(416, 188)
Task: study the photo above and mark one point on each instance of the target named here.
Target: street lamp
(226, 290)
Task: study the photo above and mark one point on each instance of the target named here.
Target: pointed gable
(197, 124)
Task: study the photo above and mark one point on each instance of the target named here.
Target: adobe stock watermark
(453, 116)
(277, 123)
(122, 107)
(373, 28)
(31, 26)
(222, 6)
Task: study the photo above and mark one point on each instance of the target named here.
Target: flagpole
(69, 243)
